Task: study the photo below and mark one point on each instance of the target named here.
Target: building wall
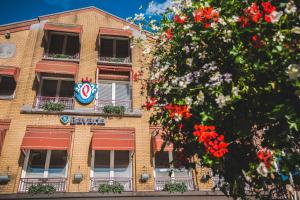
(30, 51)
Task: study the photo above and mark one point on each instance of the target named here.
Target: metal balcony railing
(96, 182)
(160, 182)
(68, 102)
(125, 103)
(126, 60)
(61, 56)
(58, 183)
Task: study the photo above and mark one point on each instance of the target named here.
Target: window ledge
(7, 97)
(114, 63)
(28, 109)
(61, 59)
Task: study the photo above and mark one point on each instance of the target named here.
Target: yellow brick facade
(29, 51)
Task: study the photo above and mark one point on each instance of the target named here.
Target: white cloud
(158, 8)
(66, 4)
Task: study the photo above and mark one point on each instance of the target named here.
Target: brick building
(85, 144)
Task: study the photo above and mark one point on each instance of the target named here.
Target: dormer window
(62, 41)
(114, 50)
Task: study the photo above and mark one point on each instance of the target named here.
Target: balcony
(58, 183)
(68, 102)
(103, 104)
(112, 60)
(96, 182)
(160, 182)
(61, 57)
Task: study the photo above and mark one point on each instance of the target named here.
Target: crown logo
(86, 80)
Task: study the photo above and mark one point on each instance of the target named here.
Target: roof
(25, 25)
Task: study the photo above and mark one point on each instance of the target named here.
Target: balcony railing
(96, 182)
(125, 103)
(160, 182)
(53, 56)
(58, 183)
(126, 60)
(68, 102)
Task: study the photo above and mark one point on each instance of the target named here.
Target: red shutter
(157, 141)
(70, 28)
(10, 71)
(57, 67)
(113, 139)
(115, 32)
(50, 138)
(4, 126)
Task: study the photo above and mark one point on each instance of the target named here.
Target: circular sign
(85, 92)
(64, 119)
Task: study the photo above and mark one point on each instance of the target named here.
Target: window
(64, 44)
(115, 93)
(51, 87)
(117, 49)
(111, 164)
(45, 164)
(7, 86)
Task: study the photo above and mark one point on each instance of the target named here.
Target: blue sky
(19, 10)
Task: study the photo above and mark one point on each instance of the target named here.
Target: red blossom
(268, 7)
(179, 19)
(169, 34)
(244, 21)
(206, 15)
(265, 156)
(212, 142)
(253, 13)
(268, 19)
(178, 110)
(151, 103)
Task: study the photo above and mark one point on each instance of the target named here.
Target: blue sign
(85, 92)
(64, 119)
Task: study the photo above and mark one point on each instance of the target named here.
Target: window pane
(121, 164)
(102, 164)
(58, 163)
(123, 95)
(106, 48)
(49, 88)
(122, 48)
(36, 164)
(56, 44)
(162, 160)
(72, 47)
(7, 86)
(66, 89)
(105, 92)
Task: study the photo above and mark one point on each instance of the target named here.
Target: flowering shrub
(234, 65)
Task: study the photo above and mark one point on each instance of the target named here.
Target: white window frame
(171, 167)
(113, 89)
(65, 40)
(115, 44)
(58, 84)
(4, 97)
(111, 164)
(46, 168)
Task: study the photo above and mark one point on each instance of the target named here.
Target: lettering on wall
(81, 120)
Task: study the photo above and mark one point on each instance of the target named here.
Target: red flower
(169, 34)
(244, 21)
(151, 103)
(212, 142)
(206, 15)
(265, 156)
(253, 12)
(179, 19)
(268, 8)
(268, 19)
(178, 111)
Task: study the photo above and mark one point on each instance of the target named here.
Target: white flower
(222, 21)
(293, 71)
(275, 16)
(126, 27)
(221, 100)
(290, 8)
(188, 100)
(188, 3)
(146, 51)
(278, 37)
(200, 98)
(202, 55)
(139, 17)
(186, 49)
(233, 19)
(214, 25)
(189, 61)
(262, 169)
(235, 91)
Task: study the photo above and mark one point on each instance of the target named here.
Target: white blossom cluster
(293, 71)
